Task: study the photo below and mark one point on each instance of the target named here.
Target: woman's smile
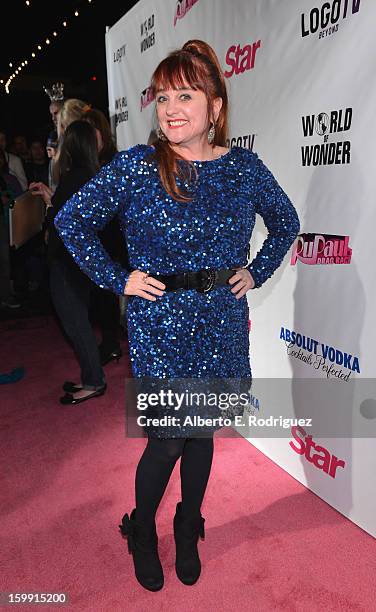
(176, 123)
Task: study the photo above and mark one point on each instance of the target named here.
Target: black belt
(203, 280)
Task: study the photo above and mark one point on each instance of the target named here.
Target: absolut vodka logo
(330, 360)
(327, 125)
(326, 19)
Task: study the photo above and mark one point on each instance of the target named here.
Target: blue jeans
(70, 292)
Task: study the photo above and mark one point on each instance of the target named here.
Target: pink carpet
(68, 478)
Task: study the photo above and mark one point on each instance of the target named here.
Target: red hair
(197, 66)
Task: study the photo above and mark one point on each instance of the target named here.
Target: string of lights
(18, 67)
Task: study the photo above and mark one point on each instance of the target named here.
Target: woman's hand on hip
(242, 281)
(145, 286)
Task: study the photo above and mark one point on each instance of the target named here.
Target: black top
(69, 184)
(111, 236)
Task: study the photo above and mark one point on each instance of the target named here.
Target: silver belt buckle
(207, 283)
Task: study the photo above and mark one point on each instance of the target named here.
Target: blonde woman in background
(72, 110)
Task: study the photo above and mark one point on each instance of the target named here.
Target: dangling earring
(211, 134)
(160, 134)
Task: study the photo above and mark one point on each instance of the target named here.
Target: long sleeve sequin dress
(184, 333)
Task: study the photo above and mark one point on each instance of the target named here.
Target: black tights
(155, 468)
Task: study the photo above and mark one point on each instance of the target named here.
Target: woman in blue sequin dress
(187, 204)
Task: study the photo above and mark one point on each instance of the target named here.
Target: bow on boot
(187, 530)
(143, 544)
(127, 530)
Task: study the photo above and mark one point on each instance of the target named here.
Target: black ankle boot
(143, 544)
(186, 532)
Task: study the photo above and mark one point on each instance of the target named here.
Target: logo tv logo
(246, 141)
(314, 249)
(119, 53)
(326, 19)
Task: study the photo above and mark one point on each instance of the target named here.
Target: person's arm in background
(281, 221)
(40, 189)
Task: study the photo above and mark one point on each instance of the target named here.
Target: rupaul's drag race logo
(316, 454)
(239, 59)
(333, 122)
(325, 20)
(147, 98)
(315, 249)
(327, 359)
(182, 8)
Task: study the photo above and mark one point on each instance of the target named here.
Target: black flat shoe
(71, 387)
(107, 357)
(68, 398)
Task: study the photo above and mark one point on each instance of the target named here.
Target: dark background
(74, 57)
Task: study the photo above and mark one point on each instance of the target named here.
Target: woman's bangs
(176, 73)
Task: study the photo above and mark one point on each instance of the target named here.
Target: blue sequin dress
(183, 334)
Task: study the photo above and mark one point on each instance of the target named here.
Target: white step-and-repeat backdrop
(300, 75)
